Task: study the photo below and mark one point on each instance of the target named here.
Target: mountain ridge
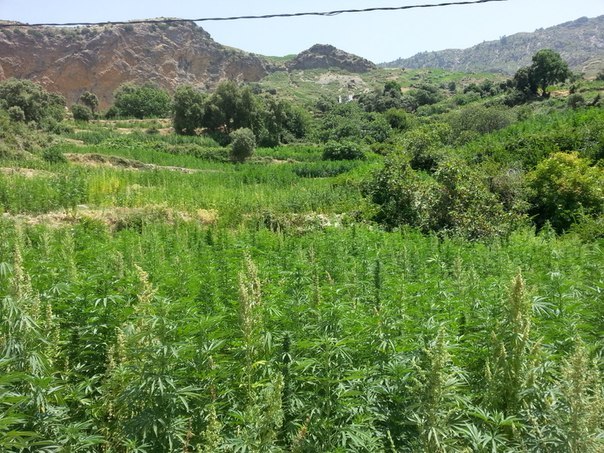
(580, 42)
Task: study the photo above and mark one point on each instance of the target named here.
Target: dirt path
(99, 160)
(115, 218)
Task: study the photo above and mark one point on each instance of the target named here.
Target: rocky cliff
(323, 56)
(101, 58)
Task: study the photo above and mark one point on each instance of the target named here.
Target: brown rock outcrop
(324, 56)
(101, 58)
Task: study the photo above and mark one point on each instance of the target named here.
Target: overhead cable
(265, 16)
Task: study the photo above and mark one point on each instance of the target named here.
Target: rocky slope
(324, 56)
(580, 42)
(101, 58)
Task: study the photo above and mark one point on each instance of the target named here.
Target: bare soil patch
(93, 159)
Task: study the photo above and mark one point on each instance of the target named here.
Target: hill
(580, 42)
(324, 56)
(101, 58)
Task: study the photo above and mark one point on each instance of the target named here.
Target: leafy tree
(90, 100)
(36, 104)
(81, 112)
(189, 110)
(564, 187)
(243, 144)
(547, 69)
(142, 101)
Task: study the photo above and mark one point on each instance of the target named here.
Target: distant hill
(580, 43)
(324, 56)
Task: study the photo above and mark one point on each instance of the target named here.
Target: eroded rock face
(324, 56)
(101, 58)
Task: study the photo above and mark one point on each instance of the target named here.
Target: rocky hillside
(580, 42)
(324, 56)
(101, 58)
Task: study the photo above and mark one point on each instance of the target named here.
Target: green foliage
(243, 144)
(425, 145)
(456, 200)
(565, 186)
(16, 113)
(188, 110)
(349, 122)
(547, 69)
(575, 101)
(81, 112)
(141, 101)
(480, 119)
(342, 151)
(35, 103)
(90, 100)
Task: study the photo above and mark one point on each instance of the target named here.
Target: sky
(378, 36)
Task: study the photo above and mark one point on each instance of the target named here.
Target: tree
(142, 101)
(81, 112)
(189, 110)
(36, 104)
(90, 100)
(243, 144)
(547, 69)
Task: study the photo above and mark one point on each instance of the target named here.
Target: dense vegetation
(421, 270)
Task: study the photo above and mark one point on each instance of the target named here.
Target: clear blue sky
(379, 36)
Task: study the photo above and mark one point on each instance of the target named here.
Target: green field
(157, 297)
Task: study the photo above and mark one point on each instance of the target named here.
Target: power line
(266, 16)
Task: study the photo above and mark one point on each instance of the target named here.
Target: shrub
(146, 101)
(425, 144)
(188, 108)
(16, 113)
(342, 151)
(90, 100)
(564, 187)
(54, 156)
(81, 112)
(402, 196)
(243, 144)
(37, 104)
(480, 119)
(575, 101)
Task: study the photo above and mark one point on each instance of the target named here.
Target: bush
(54, 156)
(575, 101)
(188, 107)
(16, 113)
(243, 144)
(456, 200)
(565, 187)
(425, 144)
(81, 112)
(480, 119)
(36, 104)
(342, 151)
(402, 196)
(146, 101)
